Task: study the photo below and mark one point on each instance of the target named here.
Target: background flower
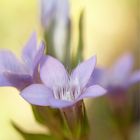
(20, 74)
(120, 75)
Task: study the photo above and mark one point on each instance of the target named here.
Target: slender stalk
(76, 121)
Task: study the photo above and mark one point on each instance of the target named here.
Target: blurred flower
(21, 74)
(61, 89)
(119, 77)
(55, 21)
(54, 11)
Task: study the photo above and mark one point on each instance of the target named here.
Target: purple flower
(119, 76)
(20, 74)
(61, 89)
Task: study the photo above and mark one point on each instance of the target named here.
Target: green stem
(76, 121)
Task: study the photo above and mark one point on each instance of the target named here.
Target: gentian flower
(20, 74)
(61, 89)
(119, 77)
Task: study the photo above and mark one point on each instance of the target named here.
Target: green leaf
(67, 58)
(80, 48)
(48, 36)
(31, 136)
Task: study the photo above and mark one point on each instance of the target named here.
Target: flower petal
(29, 51)
(83, 71)
(20, 81)
(37, 60)
(4, 81)
(9, 62)
(53, 73)
(37, 94)
(39, 54)
(96, 77)
(134, 78)
(56, 103)
(93, 91)
(122, 68)
(15, 80)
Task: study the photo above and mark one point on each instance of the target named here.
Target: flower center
(69, 93)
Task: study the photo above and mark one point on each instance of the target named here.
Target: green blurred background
(111, 28)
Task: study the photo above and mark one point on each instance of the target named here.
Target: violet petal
(37, 94)
(83, 71)
(4, 81)
(93, 91)
(53, 73)
(56, 103)
(122, 68)
(29, 52)
(9, 62)
(134, 78)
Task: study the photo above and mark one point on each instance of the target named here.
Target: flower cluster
(55, 83)
(44, 81)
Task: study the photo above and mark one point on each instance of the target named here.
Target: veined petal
(37, 94)
(53, 73)
(93, 91)
(122, 68)
(9, 62)
(83, 71)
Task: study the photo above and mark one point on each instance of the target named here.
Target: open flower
(119, 77)
(61, 89)
(19, 74)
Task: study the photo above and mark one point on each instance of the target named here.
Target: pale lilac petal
(15, 80)
(93, 91)
(56, 103)
(96, 77)
(37, 94)
(37, 60)
(39, 54)
(53, 73)
(9, 62)
(29, 51)
(4, 81)
(20, 81)
(122, 68)
(83, 71)
(134, 78)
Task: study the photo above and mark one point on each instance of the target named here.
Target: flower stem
(76, 121)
